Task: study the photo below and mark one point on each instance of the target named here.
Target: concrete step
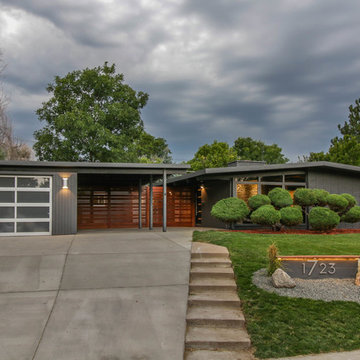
(213, 338)
(203, 250)
(200, 272)
(223, 298)
(218, 355)
(206, 284)
(209, 255)
(215, 316)
(211, 262)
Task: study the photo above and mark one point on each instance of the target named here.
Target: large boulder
(281, 279)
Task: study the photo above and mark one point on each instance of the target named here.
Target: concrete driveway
(99, 295)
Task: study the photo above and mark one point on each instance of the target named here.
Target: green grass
(282, 326)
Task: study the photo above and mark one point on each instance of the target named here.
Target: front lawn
(281, 326)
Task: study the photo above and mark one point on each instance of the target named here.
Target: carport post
(164, 201)
(151, 204)
(140, 219)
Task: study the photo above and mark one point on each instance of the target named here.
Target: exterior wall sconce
(65, 183)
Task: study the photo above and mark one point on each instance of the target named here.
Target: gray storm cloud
(281, 71)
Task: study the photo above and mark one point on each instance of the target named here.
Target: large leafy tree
(344, 149)
(218, 154)
(248, 149)
(93, 115)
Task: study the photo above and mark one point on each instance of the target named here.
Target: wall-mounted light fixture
(65, 183)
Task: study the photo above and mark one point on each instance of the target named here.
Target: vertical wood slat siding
(118, 207)
(110, 208)
(64, 215)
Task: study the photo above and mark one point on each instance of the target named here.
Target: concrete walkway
(348, 355)
(99, 295)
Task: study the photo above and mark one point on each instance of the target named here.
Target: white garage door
(25, 205)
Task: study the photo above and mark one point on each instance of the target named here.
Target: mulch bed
(299, 232)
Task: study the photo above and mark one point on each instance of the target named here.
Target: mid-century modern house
(56, 198)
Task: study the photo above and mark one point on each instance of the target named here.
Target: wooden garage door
(180, 206)
(101, 208)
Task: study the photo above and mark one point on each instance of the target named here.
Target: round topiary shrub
(266, 215)
(280, 198)
(291, 216)
(258, 200)
(351, 199)
(304, 197)
(323, 219)
(337, 202)
(321, 196)
(352, 216)
(230, 210)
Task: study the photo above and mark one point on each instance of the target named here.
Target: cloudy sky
(279, 71)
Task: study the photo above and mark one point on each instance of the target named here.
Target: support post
(140, 214)
(164, 201)
(233, 189)
(151, 204)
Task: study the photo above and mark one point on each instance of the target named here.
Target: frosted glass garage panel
(25, 205)
(7, 181)
(33, 182)
(7, 196)
(31, 212)
(33, 197)
(7, 212)
(35, 227)
(7, 227)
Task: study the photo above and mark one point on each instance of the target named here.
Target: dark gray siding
(213, 192)
(64, 216)
(336, 183)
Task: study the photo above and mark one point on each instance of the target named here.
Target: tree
(218, 154)
(249, 149)
(345, 149)
(93, 116)
(152, 150)
(11, 148)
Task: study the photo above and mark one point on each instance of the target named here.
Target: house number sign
(320, 267)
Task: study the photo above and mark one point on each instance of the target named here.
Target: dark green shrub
(258, 200)
(337, 202)
(291, 216)
(304, 197)
(352, 216)
(266, 215)
(323, 219)
(230, 210)
(321, 196)
(280, 198)
(351, 200)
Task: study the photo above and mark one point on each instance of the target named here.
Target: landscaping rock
(281, 279)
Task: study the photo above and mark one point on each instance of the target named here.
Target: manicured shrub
(337, 202)
(291, 216)
(304, 197)
(321, 196)
(258, 200)
(352, 216)
(266, 215)
(230, 210)
(351, 200)
(280, 198)
(323, 219)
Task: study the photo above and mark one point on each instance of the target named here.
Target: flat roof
(254, 168)
(93, 167)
